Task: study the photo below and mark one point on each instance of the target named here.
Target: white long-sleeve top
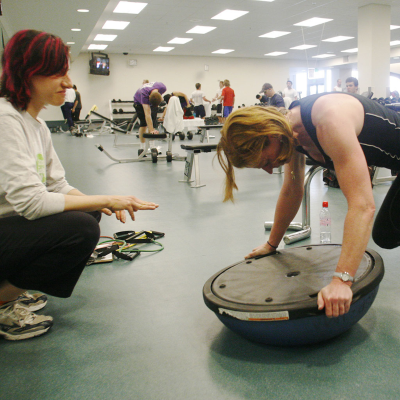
(32, 179)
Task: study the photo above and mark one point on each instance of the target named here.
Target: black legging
(47, 254)
(386, 231)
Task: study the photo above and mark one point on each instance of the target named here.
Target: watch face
(345, 277)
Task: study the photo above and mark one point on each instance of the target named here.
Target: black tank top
(379, 137)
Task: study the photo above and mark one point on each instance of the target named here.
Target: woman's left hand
(336, 298)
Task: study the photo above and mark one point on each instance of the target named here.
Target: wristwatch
(344, 276)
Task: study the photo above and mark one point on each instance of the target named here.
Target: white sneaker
(17, 323)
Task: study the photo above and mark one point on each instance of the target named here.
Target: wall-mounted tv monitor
(99, 64)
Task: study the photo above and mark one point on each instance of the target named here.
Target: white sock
(142, 145)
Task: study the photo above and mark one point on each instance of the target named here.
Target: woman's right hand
(260, 251)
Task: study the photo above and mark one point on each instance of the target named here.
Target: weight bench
(204, 131)
(193, 151)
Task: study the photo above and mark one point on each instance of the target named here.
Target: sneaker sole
(23, 336)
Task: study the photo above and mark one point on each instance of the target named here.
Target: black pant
(47, 254)
(76, 113)
(66, 109)
(386, 231)
(142, 117)
(200, 111)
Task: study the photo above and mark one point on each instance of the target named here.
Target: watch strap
(344, 276)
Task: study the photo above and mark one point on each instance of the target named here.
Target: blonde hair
(245, 134)
(155, 98)
(227, 83)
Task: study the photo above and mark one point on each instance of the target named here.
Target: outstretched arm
(338, 124)
(77, 201)
(288, 203)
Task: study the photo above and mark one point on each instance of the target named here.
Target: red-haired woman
(48, 229)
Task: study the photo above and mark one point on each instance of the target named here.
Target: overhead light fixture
(274, 34)
(324, 56)
(276, 53)
(338, 39)
(201, 29)
(230, 15)
(129, 7)
(71, 43)
(178, 40)
(223, 51)
(106, 38)
(164, 49)
(313, 22)
(75, 29)
(269, 1)
(97, 46)
(355, 50)
(118, 25)
(392, 27)
(395, 43)
(82, 10)
(303, 47)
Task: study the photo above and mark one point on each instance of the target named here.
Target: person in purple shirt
(146, 102)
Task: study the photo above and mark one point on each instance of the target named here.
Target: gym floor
(140, 330)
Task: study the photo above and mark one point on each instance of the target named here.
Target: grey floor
(140, 330)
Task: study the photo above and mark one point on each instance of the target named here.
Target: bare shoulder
(337, 108)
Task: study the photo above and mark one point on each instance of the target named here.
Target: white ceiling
(163, 20)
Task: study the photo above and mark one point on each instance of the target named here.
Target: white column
(374, 49)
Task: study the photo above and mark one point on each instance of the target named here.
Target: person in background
(352, 85)
(338, 87)
(76, 109)
(145, 81)
(198, 100)
(48, 229)
(274, 99)
(66, 108)
(228, 99)
(290, 92)
(395, 95)
(219, 100)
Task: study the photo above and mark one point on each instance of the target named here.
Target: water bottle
(325, 224)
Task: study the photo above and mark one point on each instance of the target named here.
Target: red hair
(30, 53)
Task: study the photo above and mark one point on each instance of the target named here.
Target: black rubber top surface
(288, 279)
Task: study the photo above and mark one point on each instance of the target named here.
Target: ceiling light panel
(303, 47)
(338, 39)
(229, 15)
(97, 46)
(75, 29)
(83, 10)
(118, 25)
(223, 51)
(105, 38)
(392, 27)
(275, 34)
(129, 7)
(276, 53)
(324, 56)
(201, 29)
(395, 43)
(313, 22)
(355, 50)
(164, 49)
(178, 40)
